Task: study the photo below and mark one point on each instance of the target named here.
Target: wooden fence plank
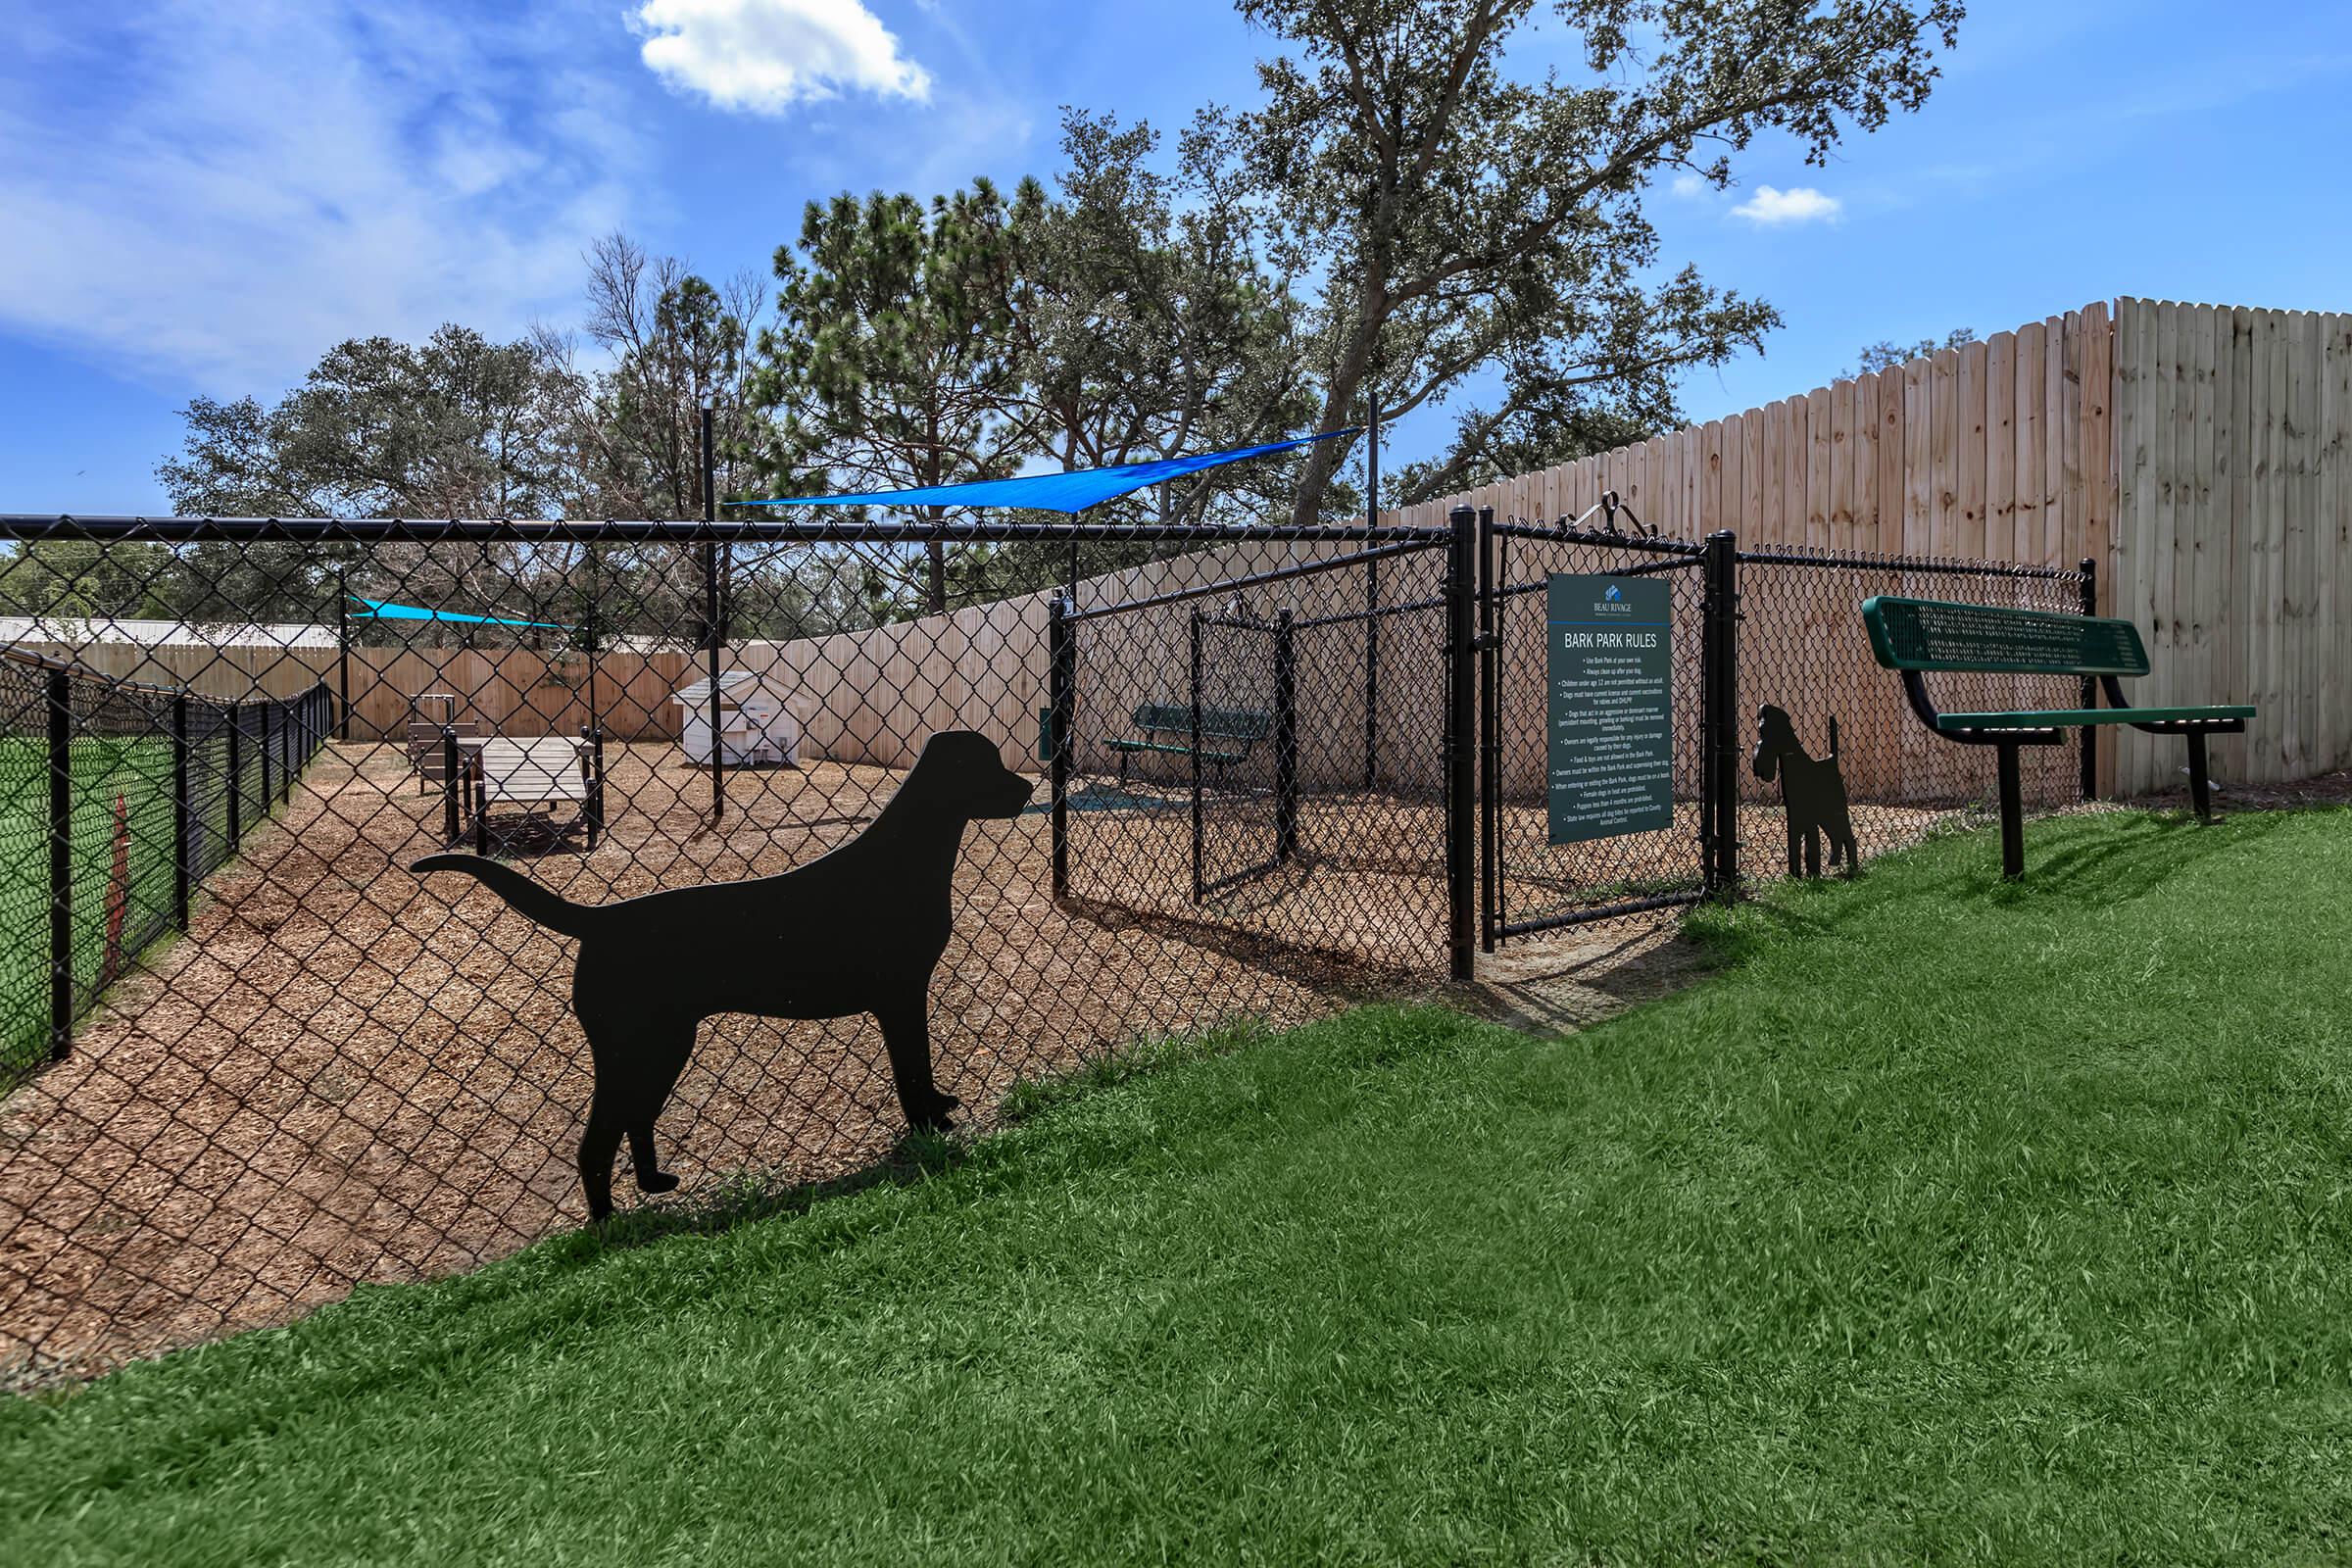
(1734, 476)
(1794, 453)
(1817, 469)
(1841, 465)
(1968, 426)
(2025, 538)
(1752, 484)
(1866, 464)
(2000, 445)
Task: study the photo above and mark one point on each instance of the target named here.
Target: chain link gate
(1528, 884)
(1259, 755)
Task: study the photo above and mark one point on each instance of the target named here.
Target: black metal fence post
(262, 795)
(1199, 821)
(60, 865)
(2091, 688)
(450, 782)
(1062, 683)
(343, 646)
(183, 815)
(712, 618)
(1489, 736)
(1285, 737)
(1372, 603)
(1460, 754)
(1719, 721)
(236, 790)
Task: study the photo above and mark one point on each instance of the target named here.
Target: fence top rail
(66, 667)
(1228, 585)
(30, 528)
(1564, 531)
(1869, 561)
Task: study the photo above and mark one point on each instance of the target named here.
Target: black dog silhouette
(1812, 793)
(856, 930)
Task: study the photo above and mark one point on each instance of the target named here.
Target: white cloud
(217, 194)
(1687, 186)
(764, 56)
(1800, 204)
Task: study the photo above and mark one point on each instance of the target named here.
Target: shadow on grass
(2087, 860)
(2131, 854)
(915, 1159)
(746, 1199)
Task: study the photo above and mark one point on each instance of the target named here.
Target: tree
(893, 363)
(79, 579)
(1461, 220)
(678, 343)
(456, 426)
(1885, 355)
(1147, 327)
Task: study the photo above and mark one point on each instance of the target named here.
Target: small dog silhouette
(856, 930)
(1812, 794)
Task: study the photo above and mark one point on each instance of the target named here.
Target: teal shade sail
(386, 610)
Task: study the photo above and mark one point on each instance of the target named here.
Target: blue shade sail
(1074, 491)
(384, 610)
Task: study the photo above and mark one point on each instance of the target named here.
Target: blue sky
(199, 198)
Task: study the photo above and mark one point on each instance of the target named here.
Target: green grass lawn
(1951, 1221)
(138, 770)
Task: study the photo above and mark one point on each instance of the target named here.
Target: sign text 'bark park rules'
(1610, 723)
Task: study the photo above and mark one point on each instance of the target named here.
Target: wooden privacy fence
(2200, 455)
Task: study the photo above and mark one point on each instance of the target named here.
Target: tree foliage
(1464, 220)
(1885, 354)
(1405, 219)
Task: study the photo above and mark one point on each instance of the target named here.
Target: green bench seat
(1919, 637)
(1232, 730)
(2083, 717)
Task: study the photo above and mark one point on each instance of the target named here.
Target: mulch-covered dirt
(349, 1074)
(2329, 789)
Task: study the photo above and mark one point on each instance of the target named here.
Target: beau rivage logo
(1610, 609)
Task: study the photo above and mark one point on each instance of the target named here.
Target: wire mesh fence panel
(1805, 654)
(24, 844)
(350, 1071)
(1263, 763)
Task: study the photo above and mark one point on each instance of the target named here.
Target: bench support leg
(2200, 789)
(2013, 815)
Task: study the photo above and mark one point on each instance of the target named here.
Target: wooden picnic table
(502, 770)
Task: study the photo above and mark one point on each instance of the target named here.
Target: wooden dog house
(755, 721)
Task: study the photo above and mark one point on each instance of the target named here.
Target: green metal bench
(1225, 734)
(1922, 636)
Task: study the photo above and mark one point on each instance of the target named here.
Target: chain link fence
(1805, 651)
(346, 1071)
(1252, 755)
(117, 801)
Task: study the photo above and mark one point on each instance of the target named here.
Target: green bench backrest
(1930, 634)
(1225, 724)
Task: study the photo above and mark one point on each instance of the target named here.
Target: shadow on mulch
(2304, 794)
